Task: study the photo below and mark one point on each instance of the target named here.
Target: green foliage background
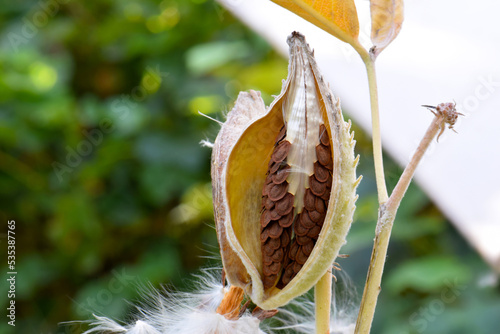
(102, 170)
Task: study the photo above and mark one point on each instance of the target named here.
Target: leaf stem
(376, 138)
(323, 300)
(383, 230)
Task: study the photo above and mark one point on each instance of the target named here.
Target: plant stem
(376, 139)
(405, 179)
(323, 300)
(383, 232)
(374, 276)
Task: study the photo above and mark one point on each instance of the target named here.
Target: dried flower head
(284, 185)
(448, 113)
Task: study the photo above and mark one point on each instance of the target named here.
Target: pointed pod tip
(295, 35)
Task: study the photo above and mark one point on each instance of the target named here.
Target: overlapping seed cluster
(282, 254)
(277, 213)
(310, 221)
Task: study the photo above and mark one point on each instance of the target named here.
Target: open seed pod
(284, 185)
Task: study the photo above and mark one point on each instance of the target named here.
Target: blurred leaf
(427, 274)
(207, 104)
(409, 224)
(160, 184)
(169, 150)
(36, 274)
(76, 208)
(204, 58)
(195, 206)
(267, 75)
(157, 265)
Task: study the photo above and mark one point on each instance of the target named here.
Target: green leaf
(427, 274)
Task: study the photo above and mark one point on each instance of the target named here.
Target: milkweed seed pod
(284, 182)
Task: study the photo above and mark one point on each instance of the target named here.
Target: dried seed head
(447, 113)
(284, 186)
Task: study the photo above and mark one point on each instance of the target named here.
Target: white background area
(447, 50)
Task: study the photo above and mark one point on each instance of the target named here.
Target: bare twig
(445, 114)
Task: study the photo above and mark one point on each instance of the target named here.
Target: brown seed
(267, 203)
(296, 267)
(320, 205)
(267, 251)
(272, 269)
(281, 175)
(307, 248)
(285, 238)
(300, 230)
(329, 181)
(274, 215)
(301, 258)
(285, 205)
(273, 244)
(287, 274)
(287, 220)
(275, 230)
(265, 218)
(278, 255)
(264, 235)
(267, 187)
(309, 200)
(293, 250)
(281, 134)
(329, 166)
(320, 172)
(277, 191)
(301, 240)
(269, 178)
(269, 281)
(317, 188)
(316, 216)
(326, 196)
(321, 221)
(281, 151)
(306, 221)
(324, 155)
(323, 135)
(267, 260)
(314, 232)
(274, 166)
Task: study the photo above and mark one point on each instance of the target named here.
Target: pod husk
(239, 166)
